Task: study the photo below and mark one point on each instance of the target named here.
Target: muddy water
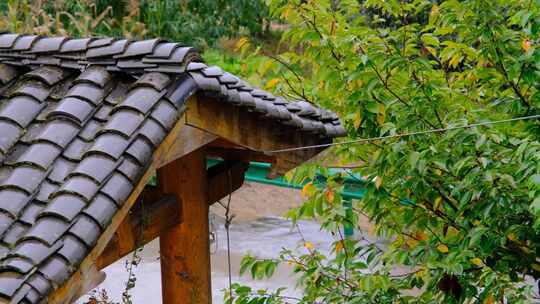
(263, 237)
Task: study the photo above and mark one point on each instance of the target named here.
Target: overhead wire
(438, 130)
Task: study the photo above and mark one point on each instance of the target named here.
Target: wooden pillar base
(185, 248)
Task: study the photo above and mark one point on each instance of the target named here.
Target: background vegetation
(460, 208)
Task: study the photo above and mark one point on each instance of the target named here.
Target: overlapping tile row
(79, 121)
(156, 55)
(64, 182)
(300, 115)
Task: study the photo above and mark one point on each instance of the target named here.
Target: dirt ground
(258, 228)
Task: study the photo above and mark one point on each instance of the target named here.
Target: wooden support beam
(189, 139)
(145, 222)
(245, 129)
(76, 284)
(224, 178)
(185, 248)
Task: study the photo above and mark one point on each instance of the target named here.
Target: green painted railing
(354, 186)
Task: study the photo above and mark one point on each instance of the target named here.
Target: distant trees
(194, 22)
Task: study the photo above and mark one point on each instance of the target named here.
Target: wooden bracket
(146, 221)
(224, 178)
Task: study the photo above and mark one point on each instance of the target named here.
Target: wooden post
(185, 248)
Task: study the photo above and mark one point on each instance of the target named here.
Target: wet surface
(264, 237)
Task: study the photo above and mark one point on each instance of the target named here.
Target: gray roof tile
(60, 132)
(87, 91)
(79, 185)
(9, 133)
(141, 99)
(61, 169)
(110, 144)
(90, 130)
(40, 283)
(141, 150)
(73, 250)
(131, 169)
(8, 40)
(94, 75)
(118, 188)
(86, 229)
(165, 113)
(115, 48)
(76, 149)
(34, 250)
(153, 131)
(56, 269)
(5, 222)
(48, 44)
(74, 145)
(21, 110)
(25, 43)
(25, 178)
(17, 264)
(75, 45)
(47, 230)
(32, 88)
(96, 167)
(9, 283)
(48, 74)
(158, 81)
(65, 206)
(164, 50)
(41, 154)
(14, 233)
(101, 209)
(30, 213)
(124, 122)
(73, 108)
(13, 201)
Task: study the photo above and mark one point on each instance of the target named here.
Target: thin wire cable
(228, 220)
(361, 140)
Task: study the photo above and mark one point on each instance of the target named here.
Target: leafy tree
(459, 208)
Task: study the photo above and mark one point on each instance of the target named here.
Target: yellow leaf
(378, 182)
(329, 195)
(431, 50)
(438, 172)
(536, 266)
(271, 83)
(438, 203)
(511, 237)
(412, 243)
(454, 61)
(306, 190)
(452, 231)
(240, 43)
(309, 245)
(526, 45)
(489, 300)
(442, 248)
(339, 246)
(357, 120)
(476, 261)
(380, 108)
(421, 236)
(380, 119)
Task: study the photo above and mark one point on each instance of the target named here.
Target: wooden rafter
(237, 125)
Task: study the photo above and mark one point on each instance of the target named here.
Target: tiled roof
(79, 121)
